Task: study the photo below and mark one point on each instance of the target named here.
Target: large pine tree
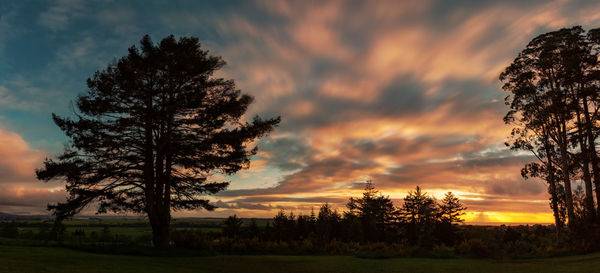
(149, 133)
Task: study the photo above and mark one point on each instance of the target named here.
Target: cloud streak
(401, 92)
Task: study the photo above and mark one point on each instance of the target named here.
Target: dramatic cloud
(401, 92)
(17, 160)
(20, 191)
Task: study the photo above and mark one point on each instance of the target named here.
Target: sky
(404, 93)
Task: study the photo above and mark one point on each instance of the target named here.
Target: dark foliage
(554, 99)
(232, 227)
(9, 229)
(149, 133)
(374, 212)
(421, 221)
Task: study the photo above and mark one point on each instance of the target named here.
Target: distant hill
(48, 216)
(16, 216)
(84, 216)
(6, 215)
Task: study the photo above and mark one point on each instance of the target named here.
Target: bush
(521, 249)
(189, 239)
(307, 246)
(442, 251)
(553, 251)
(474, 248)
(380, 251)
(9, 229)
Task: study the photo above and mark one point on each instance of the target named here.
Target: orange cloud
(403, 92)
(344, 64)
(17, 158)
(20, 191)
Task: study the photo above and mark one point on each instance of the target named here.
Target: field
(55, 259)
(135, 228)
(78, 253)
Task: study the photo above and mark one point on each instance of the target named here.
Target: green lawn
(54, 259)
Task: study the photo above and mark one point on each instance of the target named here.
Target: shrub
(378, 251)
(9, 229)
(474, 248)
(520, 249)
(189, 239)
(307, 246)
(442, 251)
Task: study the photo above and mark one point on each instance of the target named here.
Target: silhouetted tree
(328, 223)
(419, 207)
(553, 85)
(352, 227)
(304, 226)
(422, 220)
(232, 226)
(420, 213)
(253, 229)
(268, 231)
(284, 226)
(149, 133)
(374, 210)
(450, 209)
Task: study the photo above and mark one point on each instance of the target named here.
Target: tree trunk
(160, 233)
(596, 173)
(592, 152)
(558, 223)
(585, 169)
(564, 154)
(568, 192)
(159, 217)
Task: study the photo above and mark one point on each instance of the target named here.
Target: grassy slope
(51, 259)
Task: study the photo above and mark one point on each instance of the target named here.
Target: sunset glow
(405, 93)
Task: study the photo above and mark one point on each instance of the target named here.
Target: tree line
(370, 226)
(421, 220)
(553, 90)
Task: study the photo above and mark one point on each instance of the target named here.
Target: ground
(56, 259)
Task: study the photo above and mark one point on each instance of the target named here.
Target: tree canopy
(553, 87)
(150, 131)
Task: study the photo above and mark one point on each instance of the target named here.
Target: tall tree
(374, 210)
(419, 214)
(591, 106)
(451, 209)
(419, 208)
(150, 132)
(450, 212)
(232, 226)
(328, 223)
(576, 60)
(551, 94)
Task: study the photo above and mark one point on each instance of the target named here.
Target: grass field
(132, 227)
(55, 259)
